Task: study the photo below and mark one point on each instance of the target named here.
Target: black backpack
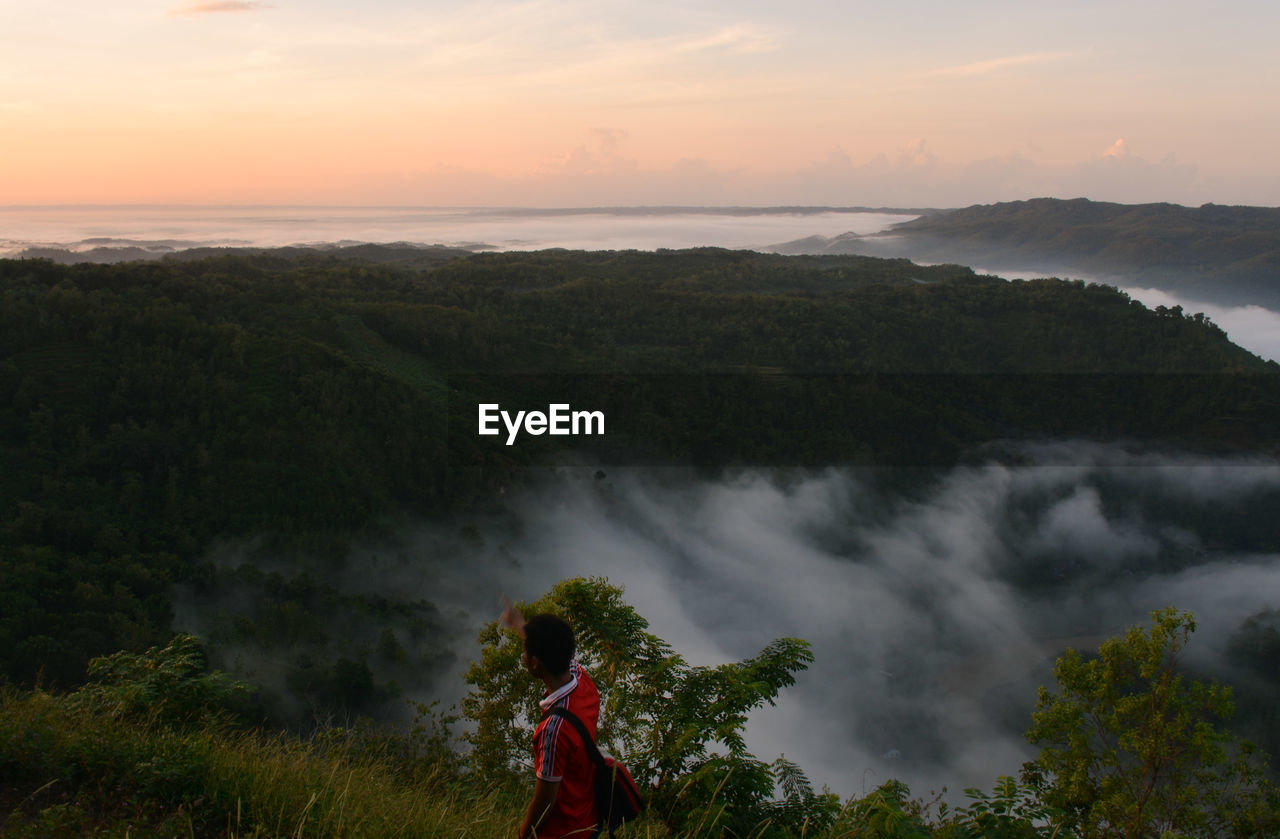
(618, 799)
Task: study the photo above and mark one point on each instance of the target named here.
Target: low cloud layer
(1255, 328)
(935, 602)
(915, 176)
(604, 171)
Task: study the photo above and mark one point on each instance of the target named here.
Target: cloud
(915, 176)
(192, 9)
(600, 171)
(606, 167)
(995, 65)
(1011, 173)
(1120, 175)
(738, 38)
(1117, 149)
(934, 611)
(1255, 328)
(916, 156)
(934, 614)
(601, 157)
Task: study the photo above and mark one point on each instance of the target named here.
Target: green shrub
(171, 682)
(1132, 748)
(677, 727)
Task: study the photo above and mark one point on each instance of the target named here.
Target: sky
(576, 103)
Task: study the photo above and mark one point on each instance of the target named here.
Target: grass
(71, 768)
(67, 771)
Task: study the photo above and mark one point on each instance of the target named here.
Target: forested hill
(1218, 253)
(148, 410)
(1223, 253)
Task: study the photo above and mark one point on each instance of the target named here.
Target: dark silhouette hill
(1222, 254)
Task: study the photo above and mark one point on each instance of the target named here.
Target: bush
(1133, 749)
(677, 727)
(172, 683)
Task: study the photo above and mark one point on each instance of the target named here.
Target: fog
(163, 229)
(1255, 328)
(935, 602)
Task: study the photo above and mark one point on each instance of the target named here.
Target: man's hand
(511, 616)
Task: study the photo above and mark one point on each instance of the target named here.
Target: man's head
(548, 642)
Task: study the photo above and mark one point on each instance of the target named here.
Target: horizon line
(710, 208)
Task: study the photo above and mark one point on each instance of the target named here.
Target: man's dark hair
(550, 640)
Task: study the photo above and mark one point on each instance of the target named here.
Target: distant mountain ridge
(119, 250)
(1226, 254)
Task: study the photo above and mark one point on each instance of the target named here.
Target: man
(563, 802)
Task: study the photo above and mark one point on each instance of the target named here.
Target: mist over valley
(1235, 294)
(117, 234)
(1217, 260)
(936, 600)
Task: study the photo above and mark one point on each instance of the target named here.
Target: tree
(1132, 748)
(171, 683)
(677, 727)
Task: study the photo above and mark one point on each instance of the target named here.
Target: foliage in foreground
(69, 769)
(677, 727)
(1131, 748)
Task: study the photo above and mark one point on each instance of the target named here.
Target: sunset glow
(569, 103)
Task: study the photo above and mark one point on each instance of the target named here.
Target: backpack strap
(617, 799)
(587, 740)
(602, 768)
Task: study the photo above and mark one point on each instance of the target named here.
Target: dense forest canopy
(148, 410)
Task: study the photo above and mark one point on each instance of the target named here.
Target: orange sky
(557, 102)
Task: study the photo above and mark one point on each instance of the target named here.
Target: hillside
(151, 411)
(1215, 253)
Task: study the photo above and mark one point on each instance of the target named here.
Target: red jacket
(559, 755)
